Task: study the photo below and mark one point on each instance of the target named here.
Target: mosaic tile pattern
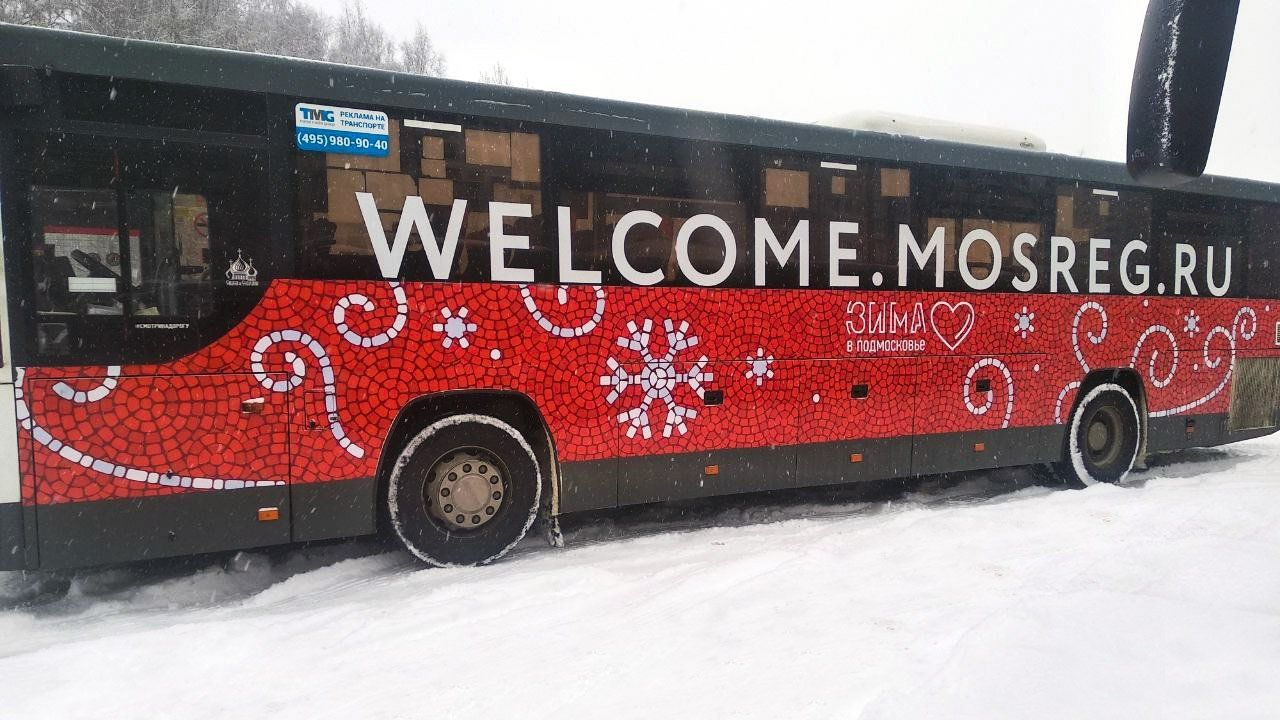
(331, 364)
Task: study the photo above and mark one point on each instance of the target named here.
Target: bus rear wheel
(464, 490)
(1102, 439)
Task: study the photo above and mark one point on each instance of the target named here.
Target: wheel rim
(1102, 436)
(465, 489)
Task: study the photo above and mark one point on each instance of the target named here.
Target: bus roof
(936, 129)
(81, 53)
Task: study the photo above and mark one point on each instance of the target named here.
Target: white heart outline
(964, 330)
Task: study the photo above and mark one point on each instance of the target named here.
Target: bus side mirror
(1177, 88)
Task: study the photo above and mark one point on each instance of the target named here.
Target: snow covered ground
(978, 597)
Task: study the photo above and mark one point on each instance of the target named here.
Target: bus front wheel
(464, 490)
(1102, 439)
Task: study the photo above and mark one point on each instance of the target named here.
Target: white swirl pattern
(1238, 327)
(81, 397)
(986, 405)
(106, 467)
(298, 368)
(1062, 396)
(1243, 326)
(564, 331)
(297, 372)
(1095, 338)
(362, 302)
(1155, 356)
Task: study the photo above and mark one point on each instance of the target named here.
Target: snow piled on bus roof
(935, 129)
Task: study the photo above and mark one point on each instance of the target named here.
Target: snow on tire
(1103, 439)
(464, 490)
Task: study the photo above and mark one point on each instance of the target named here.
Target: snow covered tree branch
(283, 27)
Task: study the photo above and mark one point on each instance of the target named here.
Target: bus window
(127, 237)
(806, 188)
(139, 102)
(440, 163)
(1264, 251)
(78, 260)
(172, 262)
(604, 176)
(963, 201)
(1193, 236)
(893, 206)
(847, 192)
(786, 200)
(1086, 214)
(76, 257)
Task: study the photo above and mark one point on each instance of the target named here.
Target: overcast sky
(1057, 68)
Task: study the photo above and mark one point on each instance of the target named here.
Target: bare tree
(45, 13)
(495, 76)
(418, 54)
(283, 27)
(192, 22)
(357, 40)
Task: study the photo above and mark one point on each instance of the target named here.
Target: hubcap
(1103, 436)
(465, 489)
(1098, 436)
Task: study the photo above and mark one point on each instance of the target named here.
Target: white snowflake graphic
(1022, 322)
(658, 380)
(455, 327)
(1191, 323)
(758, 367)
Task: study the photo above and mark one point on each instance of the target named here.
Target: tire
(464, 490)
(1103, 438)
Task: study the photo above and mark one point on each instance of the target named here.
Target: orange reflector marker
(270, 514)
(711, 470)
(855, 458)
(979, 447)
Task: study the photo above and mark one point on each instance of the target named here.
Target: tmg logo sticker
(315, 115)
(342, 130)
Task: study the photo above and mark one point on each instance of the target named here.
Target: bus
(255, 300)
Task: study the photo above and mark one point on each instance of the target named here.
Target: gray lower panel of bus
(108, 531)
(656, 478)
(343, 508)
(12, 542)
(601, 484)
(84, 534)
(1188, 431)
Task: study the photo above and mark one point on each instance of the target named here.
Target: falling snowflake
(658, 380)
(758, 367)
(1022, 322)
(1191, 323)
(455, 327)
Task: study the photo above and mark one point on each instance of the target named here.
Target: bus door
(138, 255)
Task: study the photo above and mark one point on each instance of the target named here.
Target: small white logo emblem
(242, 273)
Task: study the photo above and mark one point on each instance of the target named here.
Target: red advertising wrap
(616, 372)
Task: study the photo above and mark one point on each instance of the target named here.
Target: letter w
(413, 217)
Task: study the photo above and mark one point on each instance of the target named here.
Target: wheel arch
(510, 406)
